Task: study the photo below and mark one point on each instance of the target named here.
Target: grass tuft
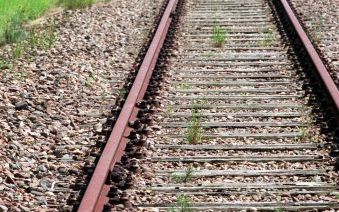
(269, 39)
(77, 4)
(15, 13)
(14, 31)
(219, 36)
(194, 133)
(183, 204)
(279, 210)
(184, 178)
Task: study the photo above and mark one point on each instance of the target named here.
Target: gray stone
(67, 157)
(23, 208)
(21, 105)
(42, 168)
(42, 200)
(3, 208)
(24, 95)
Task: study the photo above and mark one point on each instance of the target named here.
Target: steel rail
(95, 198)
(316, 60)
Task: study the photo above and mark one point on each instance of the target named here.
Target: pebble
(42, 168)
(10, 180)
(21, 105)
(42, 200)
(3, 208)
(148, 175)
(23, 208)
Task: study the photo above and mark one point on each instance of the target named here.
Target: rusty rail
(95, 198)
(315, 58)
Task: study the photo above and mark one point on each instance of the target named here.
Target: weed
(49, 37)
(322, 20)
(17, 51)
(315, 37)
(219, 36)
(184, 178)
(44, 40)
(269, 31)
(89, 79)
(199, 104)
(77, 4)
(20, 75)
(122, 93)
(304, 134)
(279, 210)
(15, 13)
(184, 86)
(33, 39)
(210, 54)
(269, 38)
(183, 204)
(4, 64)
(14, 30)
(168, 110)
(103, 95)
(194, 133)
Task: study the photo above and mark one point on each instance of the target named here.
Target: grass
(89, 80)
(168, 110)
(17, 52)
(3, 64)
(183, 204)
(42, 40)
(219, 36)
(194, 133)
(210, 54)
(15, 13)
(315, 37)
(184, 86)
(184, 178)
(269, 39)
(304, 134)
(76, 4)
(122, 93)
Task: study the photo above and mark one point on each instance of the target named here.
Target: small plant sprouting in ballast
(219, 36)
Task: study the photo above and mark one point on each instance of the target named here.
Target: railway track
(226, 123)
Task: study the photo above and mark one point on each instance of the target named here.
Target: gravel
(321, 19)
(54, 102)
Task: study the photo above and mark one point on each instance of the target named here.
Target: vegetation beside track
(15, 13)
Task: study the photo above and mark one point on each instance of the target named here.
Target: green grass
(75, 4)
(219, 36)
(279, 210)
(179, 178)
(183, 204)
(194, 133)
(269, 37)
(15, 13)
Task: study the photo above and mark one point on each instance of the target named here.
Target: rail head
(93, 199)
